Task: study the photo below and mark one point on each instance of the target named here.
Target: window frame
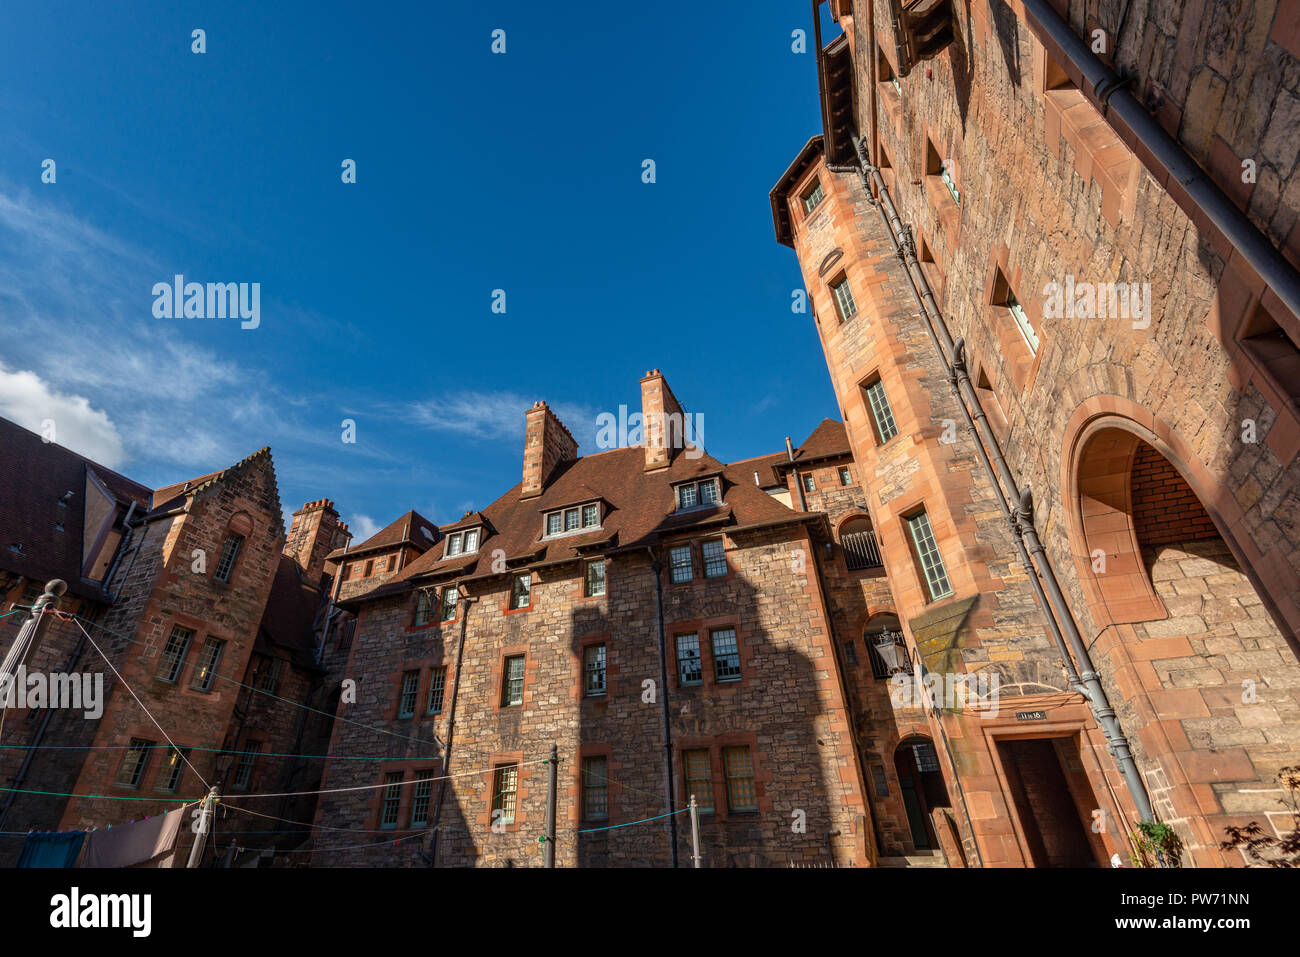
(408, 690)
(516, 593)
(728, 777)
(229, 562)
(438, 683)
(588, 787)
(705, 781)
(721, 556)
(588, 589)
(143, 748)
(207, 672)
(841, 281)
(698, 659)
(177, 659)
(500, 774)
(674, 566)
(726, 657)
(877, 402)
(921, 553)
(507, 698)
(602, 651)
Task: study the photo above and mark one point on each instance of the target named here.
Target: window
(941, 169)
(406, 700)
(229, 552)
(169, 775)
(454, 545)
(679, 560)
(423, 606)
(512, 692)
(437, 685)
(463, 542)
(595, 578)
(392, 799)
(471, 540)
(689, 669)
(593, 670)
(882, 415)
(699, 778)
(370, 568)
(133, 763)
(206, 669)
(844, 303)
(715, 558)
(267, 674)
(244, 767)
(927, 553)
(726, 654)
(173, 656)
(927, 761)
(850, 653)
(1022, 321)
(505, 784)
(521, 591)
(741, 795)
(813, 196)
(573, 519)
(846, 477)
(450, 595)
(420, 798)
(595, 789)
(697, 493)
(858, 540)
(809, 483)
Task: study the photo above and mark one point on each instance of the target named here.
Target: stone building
(1051, 252)
(208, 616)
(662, 619)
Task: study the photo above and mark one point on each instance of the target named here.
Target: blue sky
(475, 171)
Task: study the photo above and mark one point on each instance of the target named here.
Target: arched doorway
(920, 782)
(1187, 635)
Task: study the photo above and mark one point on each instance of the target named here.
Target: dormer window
(459, 543)
(694, 494)
(575, 518)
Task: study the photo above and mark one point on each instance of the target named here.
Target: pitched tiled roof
(639, 511)
(34, 475)
(410, 527)
(171, 496)
(828, 439)
(764, 465)
(289, 619)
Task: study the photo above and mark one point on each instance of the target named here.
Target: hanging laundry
(150, 843)
(51, 850)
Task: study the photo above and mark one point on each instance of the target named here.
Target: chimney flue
(789, 448)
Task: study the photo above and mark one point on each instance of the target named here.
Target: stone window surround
(695, 544)
(533, 582)
(612, 787)
(714, 745)
(495, 759)
(702, 628)
(580, 657)
(497, 680)
(1019, 360)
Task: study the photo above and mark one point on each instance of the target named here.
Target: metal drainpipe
(1089, 683)
(334, 595)
(656, 566)
(1110, 95)
(451, 725)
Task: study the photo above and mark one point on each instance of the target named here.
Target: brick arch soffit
(1122, 423)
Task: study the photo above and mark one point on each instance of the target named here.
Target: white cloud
(362, 527)
(497, 415)
(29, 400)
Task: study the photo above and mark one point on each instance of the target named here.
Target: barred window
(173, 655)
(513, 691)
(205, 671)
(437, 685)
(420, 798)
(595, 789)
(595, 578)
(244, 767)
(406, 700)
(741, 794)
(726, 655)
(699, 778)
(593, 669)
(133, 763)
(392, 799)
(450, 595)
(844, 299)
(679, 560)
(169, 774)
(927, 553)
(505, 784)
(689, 670)
(715, 558)
(521, 591)
(423, 606)
(229, 552)
(927, 760)
(882, 415)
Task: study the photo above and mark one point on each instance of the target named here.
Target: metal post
(206, 808)
(29, 634)
(548, 852)
(695, 831)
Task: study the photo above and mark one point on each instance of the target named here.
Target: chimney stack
(312, 536)
(547, 443)
(663, 420)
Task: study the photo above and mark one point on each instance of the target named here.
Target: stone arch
(1102, 439)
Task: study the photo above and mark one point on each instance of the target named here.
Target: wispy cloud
(496, 416)
(67, 420)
